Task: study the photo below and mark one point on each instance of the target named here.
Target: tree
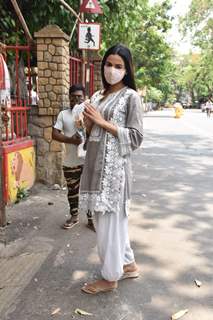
(37, 15)
(134, 23)
(199, 22)
(155, 95)
(142, 28)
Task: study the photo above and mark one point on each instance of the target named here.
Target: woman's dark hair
(125, 54)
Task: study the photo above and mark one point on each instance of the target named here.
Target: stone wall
(53, 93)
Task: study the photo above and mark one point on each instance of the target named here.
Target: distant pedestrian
(209, 107)
(114, 127)
(65, 131)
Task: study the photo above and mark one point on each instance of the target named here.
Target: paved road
(171, 227)
(174, 174)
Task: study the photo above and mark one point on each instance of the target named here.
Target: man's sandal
(91, 225)
(69, 224)
(94, 288)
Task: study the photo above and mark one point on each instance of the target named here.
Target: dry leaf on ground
(82, 312)
(198, 283)
(55, 311)
(179, 314)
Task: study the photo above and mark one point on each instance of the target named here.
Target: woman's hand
(88, 124)
(79, 121)
(90, 113)
(93, 116)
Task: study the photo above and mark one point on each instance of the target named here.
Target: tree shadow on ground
(173, 193)
(171, 211)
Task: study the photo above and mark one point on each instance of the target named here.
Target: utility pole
(87, 80)
(89, 6)
(83, 69)
(2, 203)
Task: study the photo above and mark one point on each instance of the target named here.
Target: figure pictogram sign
(91, 6)
(89, 35)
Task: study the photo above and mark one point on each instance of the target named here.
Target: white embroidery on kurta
(107, 200)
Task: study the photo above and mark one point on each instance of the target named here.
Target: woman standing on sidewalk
(114, 125)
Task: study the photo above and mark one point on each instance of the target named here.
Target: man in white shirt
(64, 131)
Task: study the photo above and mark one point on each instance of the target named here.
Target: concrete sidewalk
(43, 267)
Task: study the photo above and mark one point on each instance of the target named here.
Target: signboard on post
(89, 36)
(91, 6)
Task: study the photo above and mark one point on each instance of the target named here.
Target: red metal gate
(15, 135)
(82, 72)
(14, 53)
(16, 128)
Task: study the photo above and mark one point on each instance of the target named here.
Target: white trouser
(113, 244)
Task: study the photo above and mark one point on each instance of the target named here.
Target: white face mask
(113, 75)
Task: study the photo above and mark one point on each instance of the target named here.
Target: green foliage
(194, 77)
(199, 22)
(134, 23)
(37, 14)
(155, 95)
(142, 28)
(22, 193)
(197, 75)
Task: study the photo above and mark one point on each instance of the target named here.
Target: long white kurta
(105, 181)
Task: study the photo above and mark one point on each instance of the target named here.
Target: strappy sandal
(93, 288)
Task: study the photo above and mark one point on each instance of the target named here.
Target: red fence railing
(77, 75)
(75, 70)
(15, 110)
(15, 124)
(22, 77)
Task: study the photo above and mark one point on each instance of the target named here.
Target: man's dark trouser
(72, 176)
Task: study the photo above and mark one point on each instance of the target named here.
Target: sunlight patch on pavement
(79, 274)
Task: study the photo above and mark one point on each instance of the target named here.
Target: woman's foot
(99, 286)
(130, 267)
(130, 271)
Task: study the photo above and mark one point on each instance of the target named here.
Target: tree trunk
(22, 21)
